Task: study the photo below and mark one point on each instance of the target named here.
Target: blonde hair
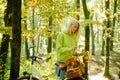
(68, 24)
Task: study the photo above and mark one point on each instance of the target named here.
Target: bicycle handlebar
(36, 58)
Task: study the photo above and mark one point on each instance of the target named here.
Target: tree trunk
(87, 32)
(33, 22)
(26, 41)
(26, 49)
(49, 49)
(113, 26)
(78, 8)
(3, 55)
(106, 73)
(26, 38)
(103, 43)
(93, 40)
(16, 39)
(8, 14)
(4, 46)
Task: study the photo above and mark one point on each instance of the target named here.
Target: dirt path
(96, 67)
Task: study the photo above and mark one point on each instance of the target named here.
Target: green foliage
(91, 22)
(45, 9)
(1, 65)
(118, 5)
(47, 70)
(6, 30)
(25, 13)
(2, 6)
(54, 8)
(7, 67)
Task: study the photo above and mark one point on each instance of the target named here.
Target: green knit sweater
(63, 44)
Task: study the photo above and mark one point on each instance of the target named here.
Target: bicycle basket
(74, 67)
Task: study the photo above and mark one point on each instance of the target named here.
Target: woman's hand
(73, 48)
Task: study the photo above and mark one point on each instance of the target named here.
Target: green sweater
(63, 44)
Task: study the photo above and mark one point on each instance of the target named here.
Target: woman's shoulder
(62, 33)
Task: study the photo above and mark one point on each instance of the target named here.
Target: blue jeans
(60, 73)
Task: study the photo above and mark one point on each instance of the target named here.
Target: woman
(66, 44)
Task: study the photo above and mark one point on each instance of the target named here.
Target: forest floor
(97, 67)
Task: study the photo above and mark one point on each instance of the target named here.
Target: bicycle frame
(34, 71)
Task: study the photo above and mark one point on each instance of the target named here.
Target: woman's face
(74, 27)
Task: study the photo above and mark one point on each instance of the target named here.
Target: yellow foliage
(27, 1)
(24, 11)
(76, 16)
(86, 55)
(6, 30)
(34, 3)
(0, 37)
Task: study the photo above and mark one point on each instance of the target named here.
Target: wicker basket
(74, 67)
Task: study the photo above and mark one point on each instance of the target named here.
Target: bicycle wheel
(27, 78)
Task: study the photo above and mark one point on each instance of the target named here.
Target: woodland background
(25, 23)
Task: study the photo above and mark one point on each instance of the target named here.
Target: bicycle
(30, 75)
(74, 68)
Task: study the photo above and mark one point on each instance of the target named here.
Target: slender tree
(5, 40)
(103, 40)
(103, 43)
(3, 54)
(87, 32)
(16, 39)
(25, 36)
(106, 73)
(92, 35)
(93, 40)
(78, 8)
(49, 49)
(33, 25)
(8, 14)
(113, 25)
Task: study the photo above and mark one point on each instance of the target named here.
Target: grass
(47, 70)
